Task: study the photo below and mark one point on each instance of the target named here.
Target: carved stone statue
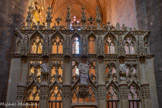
(44, 69)
(83, 73)
(44, 74)
(122, 72)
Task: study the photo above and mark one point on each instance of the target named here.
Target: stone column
(43, 102)
(14, 79)
(143, 79)
(44, 89)
(149, 73)
(101, 82)
(67, 79)
(67, 76)
(66, 98)
(102, 96)
(24, 70)
(146, 102)
(123, 90)
(21, 87)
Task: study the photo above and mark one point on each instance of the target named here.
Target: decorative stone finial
(83, 14)
(29, 17)
(98, 14)
(58, 19)
(98, 18)
(83, 18)
(68, 17)
(91, 20)
(49, 17)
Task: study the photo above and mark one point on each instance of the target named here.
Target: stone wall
(149, 17)
(11, 16)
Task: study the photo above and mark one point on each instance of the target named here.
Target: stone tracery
(109, 76)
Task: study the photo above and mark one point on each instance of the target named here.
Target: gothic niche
(36, 44)
(110, 71)
(34, 80)
(110, 45)
(112, 98)
(75, 45)
(129, 44)
(57, 45)
(134, 95)
(83, 90)
(56, 71)
(91, 44)
(55, 89)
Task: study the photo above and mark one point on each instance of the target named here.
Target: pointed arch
(110, 43)
(112, 96)
(57, 43)
(55, 95)
(36, 43)
(33, 93)
(112, 91)
(91, 44)
(56, 71)
(76, 44)
(134, 95)
(129, 43)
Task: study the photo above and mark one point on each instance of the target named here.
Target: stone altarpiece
(83, 65)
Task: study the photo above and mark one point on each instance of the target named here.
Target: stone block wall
(11, 17)
(149, 17)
